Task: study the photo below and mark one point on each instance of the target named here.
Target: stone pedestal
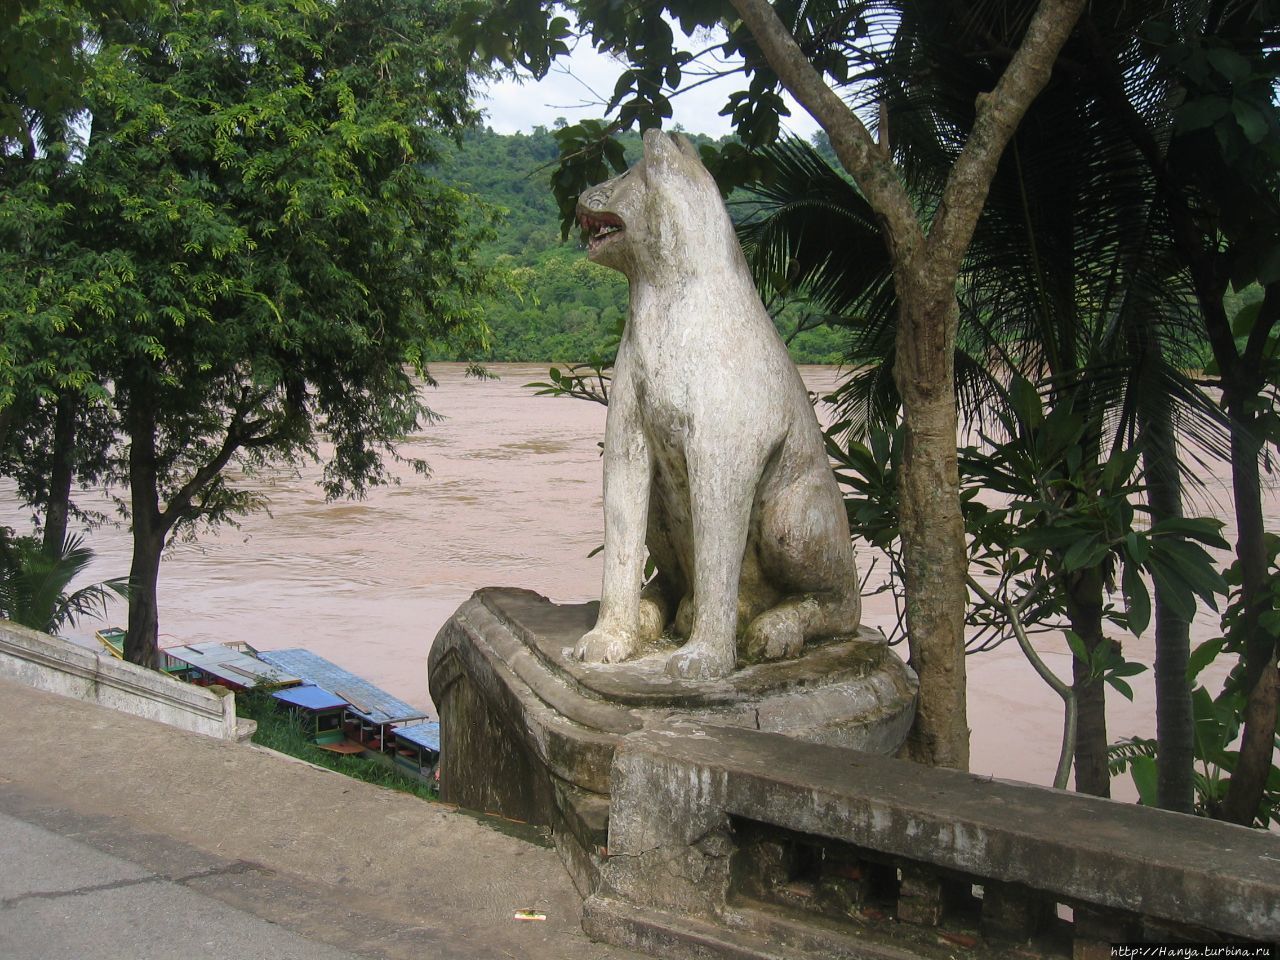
(529, 733)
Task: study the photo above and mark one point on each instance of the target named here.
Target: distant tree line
(554, 305)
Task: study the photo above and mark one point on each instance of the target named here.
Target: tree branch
(1062, 689)
(873, 172)
(177, 506)
(1260, 335)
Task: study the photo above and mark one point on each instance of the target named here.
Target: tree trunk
(926, 267)
(142, 639)
(1084, 609)
(932, 527)
(58, 504)
(1257, 746)
(6, 422)
(1175, 728)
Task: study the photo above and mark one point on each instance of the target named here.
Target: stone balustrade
(737, 843)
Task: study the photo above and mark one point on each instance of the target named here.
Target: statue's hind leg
(808, 556)
(781, 631)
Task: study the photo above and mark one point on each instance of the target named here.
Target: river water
(514, 499)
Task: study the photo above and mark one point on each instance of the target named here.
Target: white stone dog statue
(712, 453)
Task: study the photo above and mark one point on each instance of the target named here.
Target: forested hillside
(557, 306)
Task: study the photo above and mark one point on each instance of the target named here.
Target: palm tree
(1071, 281)
(34, 584)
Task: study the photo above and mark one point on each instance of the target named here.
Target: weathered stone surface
(516, 649)
(713, 457)
(60, 666)
(1028, 846)
(921, 898)
(529, 731)
(1014, 912)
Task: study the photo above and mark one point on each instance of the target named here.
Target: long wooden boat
(112, 639)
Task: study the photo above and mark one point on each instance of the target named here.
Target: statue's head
(665, 211)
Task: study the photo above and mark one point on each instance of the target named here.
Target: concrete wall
(59, 666)
(735, 843)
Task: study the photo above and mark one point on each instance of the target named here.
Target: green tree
(255, 186)
(1082, 260)
(46, 380)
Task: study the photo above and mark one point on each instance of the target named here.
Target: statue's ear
(671, 151)
(686, 146)
(660, 147)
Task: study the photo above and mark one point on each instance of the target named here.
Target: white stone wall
(59, 666)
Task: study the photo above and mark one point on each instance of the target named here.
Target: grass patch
(279, 730)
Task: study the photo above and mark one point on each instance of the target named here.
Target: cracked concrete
(8, 828)
(114, 918)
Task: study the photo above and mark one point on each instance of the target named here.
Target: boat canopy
(310, 697)
(425, 735)
(231, 667)
(367, 701)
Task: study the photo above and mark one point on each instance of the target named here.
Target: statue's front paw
(697, 661)
(605, 646)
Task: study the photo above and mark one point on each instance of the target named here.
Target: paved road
(123, 838)
(63, 900)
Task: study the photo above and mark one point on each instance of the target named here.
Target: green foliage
(1227, 127)
(258, 245)
(35, 585)
(552, 304)
(868, 472)
(1217, 723)
(531, 35)
(1075, 513)
(244, 250)
(1058, 514)
(43, 65)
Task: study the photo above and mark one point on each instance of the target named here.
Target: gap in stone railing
(888, 897)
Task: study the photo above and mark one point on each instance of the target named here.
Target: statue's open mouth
(600, 228)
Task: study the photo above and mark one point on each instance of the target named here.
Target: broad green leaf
(1143, 772)
(1242, 323)
(1203, 655)
(1129, 668)
(1139, 600)
(1137, 546)
(1205, 529)
(1229, 64)
(1196, 569)
(1026, 401)
(1120, 686)
(1084, 552)
(1078, 649)
(1201, 112)
(1251, 120)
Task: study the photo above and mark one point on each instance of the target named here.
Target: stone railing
(60, 666)
(735, 843)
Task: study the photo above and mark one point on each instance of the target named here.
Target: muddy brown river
(514, 499)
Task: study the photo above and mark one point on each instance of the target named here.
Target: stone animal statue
(712, 454)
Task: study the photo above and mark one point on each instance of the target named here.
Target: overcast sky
(577, 84)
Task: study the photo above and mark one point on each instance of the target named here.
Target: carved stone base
(529, 733)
